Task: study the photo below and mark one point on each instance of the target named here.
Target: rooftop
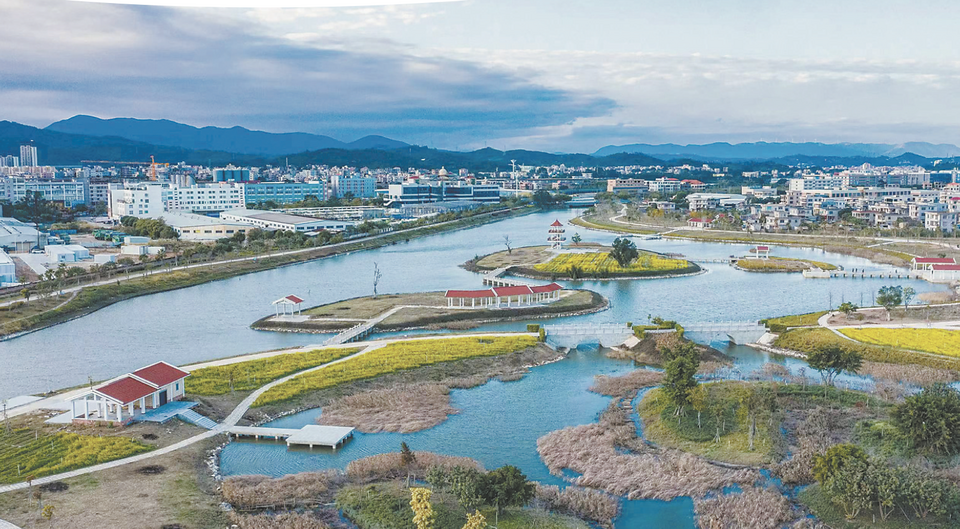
(269, 216)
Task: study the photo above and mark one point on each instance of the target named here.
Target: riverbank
(426, 310)
(89, 299)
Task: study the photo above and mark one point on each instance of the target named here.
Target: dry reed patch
(908, 373)
(582, 503)
(281, 521)
(814, 431)
(626, 384)
(389, 466)
(404, 409)
(754, 508)
(591, 451)
(250, 492)
(938, 297)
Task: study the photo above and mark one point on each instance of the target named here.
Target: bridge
(708, 261)
(574, 334)
(361, 330)
(739, 332)
(495, 279)
(887, 274)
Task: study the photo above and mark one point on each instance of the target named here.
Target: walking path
(7, 525)
(231, 420)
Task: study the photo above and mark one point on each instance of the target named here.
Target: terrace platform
(310, 435)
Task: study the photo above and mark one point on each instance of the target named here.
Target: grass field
(41, 454)
(526, 255)
(781, 264)
(807, 340)
(600, 263)
(936, 341)
(600, 224)
(369, 307)
(798, 320)
(250, 375)
(394, 357)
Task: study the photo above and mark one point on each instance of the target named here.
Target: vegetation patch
(602, 265)
(252, 374)
(405, 409)
(394, 357)
(782, 323)
(24, 452)
(262, 492)
(753, 508)
(627, 384)
(936, 341)
(809, 340)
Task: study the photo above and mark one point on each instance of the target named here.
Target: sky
(552, 75)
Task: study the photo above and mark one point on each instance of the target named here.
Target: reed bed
(252, 492)
(754, 508)
(280, 521)
(626, 384)
(814, 434)
(908, 374)
(592, 451)
(404, 409)
(390, 466)
(582, 503)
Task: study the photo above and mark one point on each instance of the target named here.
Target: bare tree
(376, 277)
(508, 244)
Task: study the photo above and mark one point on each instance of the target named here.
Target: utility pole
(6, 423)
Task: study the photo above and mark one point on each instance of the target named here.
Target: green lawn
(24, 452)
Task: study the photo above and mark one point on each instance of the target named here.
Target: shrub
(931, 419)
(533, 327)
(826, 466)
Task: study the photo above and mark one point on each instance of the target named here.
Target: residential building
(342, 186)
(634, 186)
(820, 182)
(28, 155)
(665, 185)
(67, 192)
(9, 161)
(702, 201)
(943, 221)
(758, 192)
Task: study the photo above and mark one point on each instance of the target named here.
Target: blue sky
(551, 75)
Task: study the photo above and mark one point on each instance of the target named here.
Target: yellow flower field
(252, 374)
(394, 357)
(936, 341)
(600, 262)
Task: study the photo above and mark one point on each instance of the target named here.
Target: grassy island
(586, 261)
(425, 310)
(781, 264)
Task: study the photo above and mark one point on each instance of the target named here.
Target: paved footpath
(235, 415)
(7, 525)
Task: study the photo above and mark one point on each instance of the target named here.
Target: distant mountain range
(235, 139)
(769, 151)
(88, 138)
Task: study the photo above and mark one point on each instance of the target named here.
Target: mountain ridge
(775, 150)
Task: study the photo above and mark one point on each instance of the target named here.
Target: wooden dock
(310, 435)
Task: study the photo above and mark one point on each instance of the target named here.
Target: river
(499, 423)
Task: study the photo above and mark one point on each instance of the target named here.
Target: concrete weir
(310, 435)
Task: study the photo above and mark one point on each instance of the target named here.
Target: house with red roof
(927, 263)
(121, 399)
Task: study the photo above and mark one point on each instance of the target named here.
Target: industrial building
(282, 192)
(231, 174)
(19, 236)
(353, 186)
(426, 192)
(191, 227)
(269, 220)
(8, 270)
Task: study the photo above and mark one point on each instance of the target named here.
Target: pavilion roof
(935, 260)
(126, 389)
(513, 291)
(545, 289)
(556, 224)
(469, 294)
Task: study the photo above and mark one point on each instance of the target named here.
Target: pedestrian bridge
(574, 334)
(740, 332)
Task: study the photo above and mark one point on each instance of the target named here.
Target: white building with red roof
(509, 296)
(291, 302)
(120, 399)
(928, 263)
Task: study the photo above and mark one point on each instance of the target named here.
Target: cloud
(168, 63)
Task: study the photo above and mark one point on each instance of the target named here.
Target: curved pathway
(235, 415)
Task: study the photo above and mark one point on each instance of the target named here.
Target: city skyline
(464, 75)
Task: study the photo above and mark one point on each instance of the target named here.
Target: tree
(467, 485)
(508, 244)
(931, 419)
(423, 515)
(624, 251)
(576, 239)
(848, 308)
(34, 209)
(908, 294)
(407, 459)
(376, 277)
(826, 466)
(680, 372)
(889, 297)
(698, 400)
(831, 360)
(507, 486)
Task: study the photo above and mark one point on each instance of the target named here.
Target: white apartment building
(944, 221)
(809, 183)
(151, 199)
(355, 186)
(67, 192)
(28, 156)
(665, 185)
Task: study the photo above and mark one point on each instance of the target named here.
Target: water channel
(499, 423)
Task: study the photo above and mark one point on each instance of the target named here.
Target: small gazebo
(556, 237)
(292, 302)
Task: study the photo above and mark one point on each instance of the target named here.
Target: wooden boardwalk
(310, 435)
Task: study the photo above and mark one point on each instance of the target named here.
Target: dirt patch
(150, 436)
(150, 470)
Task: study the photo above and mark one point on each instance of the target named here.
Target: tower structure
(556, 237)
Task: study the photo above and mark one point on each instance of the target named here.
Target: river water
(499, 423)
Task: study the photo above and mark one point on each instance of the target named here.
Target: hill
(770, 151)
(235, 139)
